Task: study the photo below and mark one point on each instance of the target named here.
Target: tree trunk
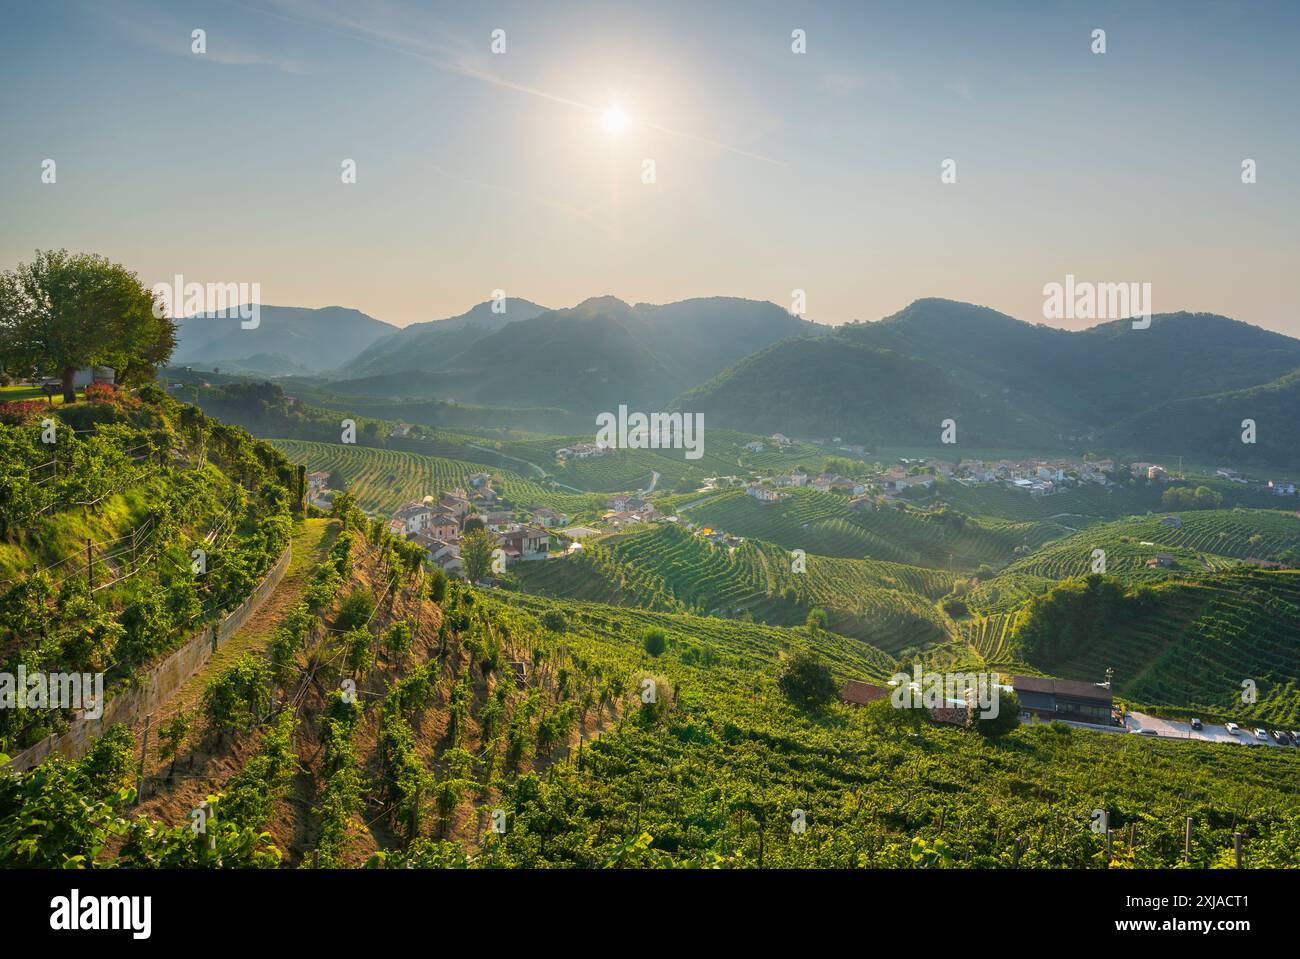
(69, 384)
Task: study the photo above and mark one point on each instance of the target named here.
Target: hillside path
(311, 541)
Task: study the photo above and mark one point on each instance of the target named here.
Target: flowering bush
(108, 393)
(20, 412)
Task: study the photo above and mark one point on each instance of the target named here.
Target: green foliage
(654, 642)
(1184, 497)
(476, 554)
(239, 698)
(807, 680)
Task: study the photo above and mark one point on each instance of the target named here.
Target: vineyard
(887, 605)
(1199, 640)
(383, 479)
(99, 550)
(1081, 505)
(822, 523)
(1206, 541)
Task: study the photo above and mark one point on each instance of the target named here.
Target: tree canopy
(65, 311)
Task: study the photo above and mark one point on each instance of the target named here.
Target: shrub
(806, 680)
(654, 642)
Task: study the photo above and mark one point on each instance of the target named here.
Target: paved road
(1177, 729)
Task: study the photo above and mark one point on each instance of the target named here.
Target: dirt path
(311, 541)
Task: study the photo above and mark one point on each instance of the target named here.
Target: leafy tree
(654, 642)
(66, 311)
(476, 554)
(806, 680)
(1007, 719)
(437, 586)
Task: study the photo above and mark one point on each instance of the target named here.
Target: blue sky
(774, 171)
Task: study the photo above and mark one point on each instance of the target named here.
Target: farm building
(858, 693)
(1064, 698)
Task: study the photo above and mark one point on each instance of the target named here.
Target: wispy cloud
(167, 34)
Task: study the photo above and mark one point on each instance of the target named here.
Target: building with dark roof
(1064, 698)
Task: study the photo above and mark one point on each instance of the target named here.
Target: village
(912, 477)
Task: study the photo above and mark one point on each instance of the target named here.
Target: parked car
(1281, 738)
(1197, 724)
(1144, 732)
(1232, 728)
(1260, 734)
(1295, 737)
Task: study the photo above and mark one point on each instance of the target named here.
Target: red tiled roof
(859, 693)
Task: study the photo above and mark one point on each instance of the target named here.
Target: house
(525, 543)
(456, 502)
(858, 693)
(583, 451)
(1157, 473)
(413, 517)
(498, 518)
(755, 447)
(764, 494)
(863, 502)
(1064, 698)
(780, 439)
(401, 429)
(1263, 563)
(441, 553)
(317, 481)
(1281, 488)
(799, 477)
(547, 517)
(443, 527)
(479, 479)
(1174, 522)
(1161, 561)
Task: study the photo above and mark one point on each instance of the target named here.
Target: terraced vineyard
(991, 637)
(666, 568)
(1087, 503)
(823, 523)
(623, 470)
(1199, 640)
(1131, 542)
(383, 479)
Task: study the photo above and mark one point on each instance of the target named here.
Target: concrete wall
(158, 684)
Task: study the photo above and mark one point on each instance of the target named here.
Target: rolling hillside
(1015, 385)
(383, 479)
(822, 523)
(288, 339)
(886, 605)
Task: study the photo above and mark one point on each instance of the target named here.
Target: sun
(614, 121)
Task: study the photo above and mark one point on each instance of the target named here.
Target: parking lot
(1179, 729)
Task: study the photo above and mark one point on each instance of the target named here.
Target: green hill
(98, 532)
(822, 523)
(663, 567)
(1015, 385)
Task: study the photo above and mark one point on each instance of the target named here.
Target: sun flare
(614, 121)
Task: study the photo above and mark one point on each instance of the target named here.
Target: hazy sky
(775, 170)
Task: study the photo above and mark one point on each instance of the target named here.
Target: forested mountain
(287, 339)
(425, 346)
(1013, 384)
(585, 359)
